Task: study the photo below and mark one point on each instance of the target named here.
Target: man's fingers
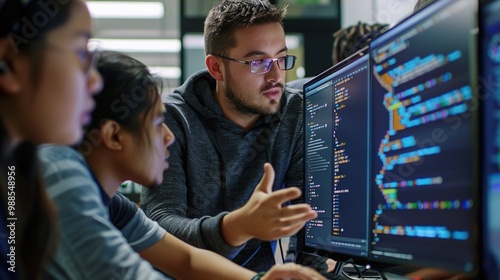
(266, 182)
(297, 212)
(289, 225)
(296, 220)
(284, 195)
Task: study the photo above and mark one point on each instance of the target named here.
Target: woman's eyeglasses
(85, 56)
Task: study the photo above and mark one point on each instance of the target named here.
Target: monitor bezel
(490, 268)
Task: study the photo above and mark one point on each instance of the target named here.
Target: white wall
(375, 11)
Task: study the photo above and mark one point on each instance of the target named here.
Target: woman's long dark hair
(26, 24)
(34, 233)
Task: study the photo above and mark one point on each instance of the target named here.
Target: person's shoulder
(51, 153)
(60, 163)
(174, 99)
(293, 95)
(175, 105)
(187, 92)
(292, 103)
(298, 84)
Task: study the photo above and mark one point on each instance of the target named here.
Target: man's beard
(244, 107)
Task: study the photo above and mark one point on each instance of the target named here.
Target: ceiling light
(137, 45)
(126, 10)
(196, 41)
(166, 72)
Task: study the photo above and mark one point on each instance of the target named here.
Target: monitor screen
(392, 145)
(336, 163)
(424, 176)
(489, 82)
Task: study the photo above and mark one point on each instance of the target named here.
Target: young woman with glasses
(46, 87)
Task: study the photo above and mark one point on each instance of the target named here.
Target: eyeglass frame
(272, 60)
(87, 62)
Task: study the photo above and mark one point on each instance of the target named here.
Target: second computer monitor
(424, 182)
(392, 148)
(336, 163)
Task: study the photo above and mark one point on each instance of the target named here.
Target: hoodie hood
(196, 91)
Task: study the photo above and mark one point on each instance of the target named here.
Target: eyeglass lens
(85, 56)
(88, 61)
(262, 66)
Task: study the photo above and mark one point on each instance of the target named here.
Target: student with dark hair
(46, 83)
(348, 41)
(126, 140)
(353, 38)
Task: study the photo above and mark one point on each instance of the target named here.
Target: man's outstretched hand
(264, 217)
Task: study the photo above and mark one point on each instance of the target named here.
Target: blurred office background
(167, 35)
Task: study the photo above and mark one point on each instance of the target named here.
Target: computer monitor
(336, 159)
(489, 84)
(424, 185)
(391, 148)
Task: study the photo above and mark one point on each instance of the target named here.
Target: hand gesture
(264, 217)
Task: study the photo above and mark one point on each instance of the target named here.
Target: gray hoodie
(215, 166)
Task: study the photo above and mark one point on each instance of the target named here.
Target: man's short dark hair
(224, 18)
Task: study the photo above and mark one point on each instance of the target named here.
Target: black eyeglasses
(262, 66)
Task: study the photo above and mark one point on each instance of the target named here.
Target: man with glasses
(229, 120)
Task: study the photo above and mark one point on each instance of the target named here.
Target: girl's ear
(112, 135)
(9, 84)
